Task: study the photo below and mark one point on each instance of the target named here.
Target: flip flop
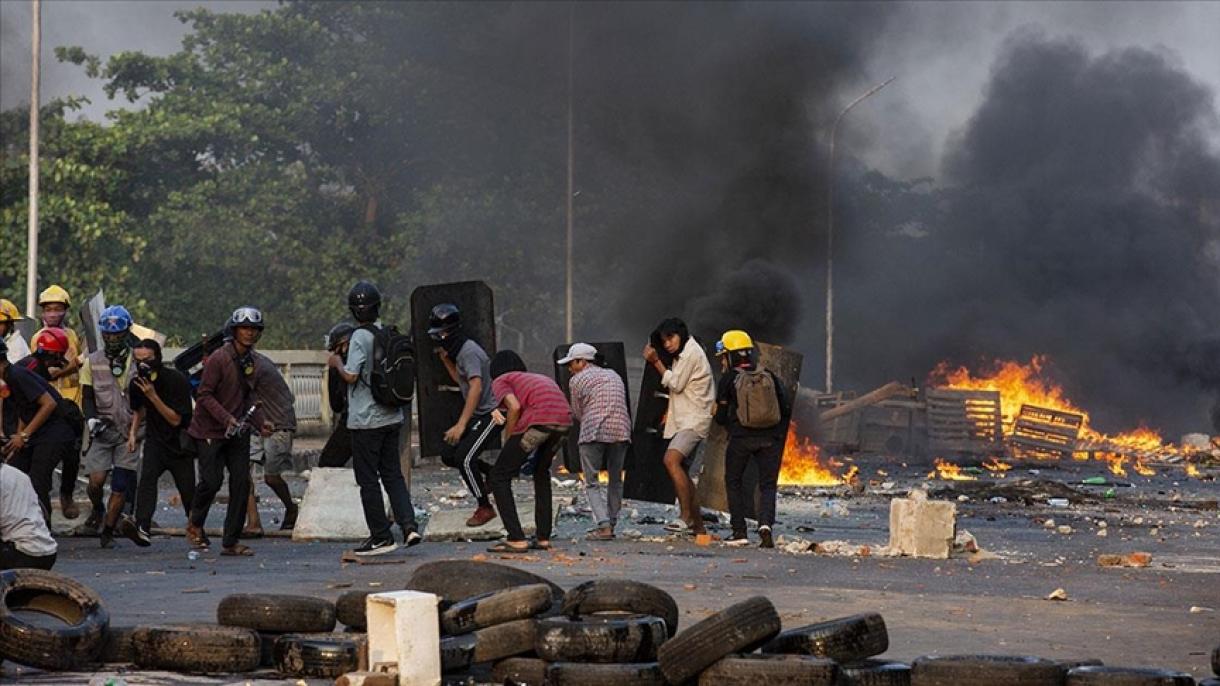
(238, 550)
(198, 542)
(535, 545)
(252, 533)
(599, 536)
(678, 527)
(504, 548)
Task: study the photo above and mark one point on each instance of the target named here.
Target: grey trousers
(604, 501)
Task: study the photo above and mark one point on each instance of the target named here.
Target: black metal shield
(438, 397)
(645, 466)
(615, 358)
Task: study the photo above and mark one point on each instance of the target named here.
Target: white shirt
(17, 347)
(692, 397)
(21, 521)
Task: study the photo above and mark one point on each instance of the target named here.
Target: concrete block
(368, 679)
(450, 525)
(922, 528)
(330, 508)
(404, 634)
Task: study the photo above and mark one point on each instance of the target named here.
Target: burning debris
(803, 465)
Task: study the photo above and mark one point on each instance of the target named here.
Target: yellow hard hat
(736, 340)
(9, 311)
(54, 294)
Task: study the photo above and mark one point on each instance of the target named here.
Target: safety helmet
(445, 319)
(114, 319)
(337, 334)
(363, 294)
(245, 316)
(720, 348)
(9, 311)
(55, 294)
(736, 340)
(52, 340)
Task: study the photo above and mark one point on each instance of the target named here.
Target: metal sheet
(438, 397)
(646, 476)
(616, 359)
(90, 314)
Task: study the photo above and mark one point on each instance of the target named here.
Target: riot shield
(646, 476)
(438, 397)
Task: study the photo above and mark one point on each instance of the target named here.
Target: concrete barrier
(404, 633)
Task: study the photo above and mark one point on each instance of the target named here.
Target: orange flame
(1026, 384)
(803, 465)
(1116, 465)
(1193, 471)
(947, 471)
(995, 465)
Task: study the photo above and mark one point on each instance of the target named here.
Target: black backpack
(392, 366)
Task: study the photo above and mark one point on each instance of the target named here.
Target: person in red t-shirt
(537, 418)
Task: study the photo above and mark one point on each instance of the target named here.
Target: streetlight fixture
(830, 261)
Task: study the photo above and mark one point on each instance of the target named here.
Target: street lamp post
(31, 276)
(830, 258)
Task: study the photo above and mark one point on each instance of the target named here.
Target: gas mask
(116, 348)
(148, 369)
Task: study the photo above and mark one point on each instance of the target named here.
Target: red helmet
(52, 341)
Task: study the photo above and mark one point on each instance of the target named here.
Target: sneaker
(412, 539)
(128, 528)
(376, 546)
(142, 537)
(738, 539)
(764, 532)
(481, 516)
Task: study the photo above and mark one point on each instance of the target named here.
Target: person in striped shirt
(536, 418)
(599, 403)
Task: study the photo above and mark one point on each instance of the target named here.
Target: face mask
(50, 359)
(53, 319)
(147, 370)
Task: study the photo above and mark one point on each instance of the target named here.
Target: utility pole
(568, 280)
(31, 276)
(830, 234)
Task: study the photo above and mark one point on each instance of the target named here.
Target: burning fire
(996, 466)
(803, 465)
(947, 471)
(1026, 384)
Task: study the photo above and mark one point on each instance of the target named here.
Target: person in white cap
(599, 403)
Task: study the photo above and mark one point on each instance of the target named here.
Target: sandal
(197, 539)
(536, 545)
(503, 547)
(678, 526)
(252, 533)
(598, 535)
(238, 550)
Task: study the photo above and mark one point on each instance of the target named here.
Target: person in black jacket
(752, 406)
(338, 449)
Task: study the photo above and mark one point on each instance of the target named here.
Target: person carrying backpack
(377, 372)
(751, 405)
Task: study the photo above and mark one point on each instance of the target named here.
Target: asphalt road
(995, 605)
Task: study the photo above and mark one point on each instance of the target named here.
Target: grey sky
(942, 53)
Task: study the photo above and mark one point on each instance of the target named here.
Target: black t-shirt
(175, 391)
(336, 389)
(24, 390)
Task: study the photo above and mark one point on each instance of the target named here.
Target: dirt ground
(1164, 615)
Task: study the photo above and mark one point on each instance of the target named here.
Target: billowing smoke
(1083, 222)
(758, 297)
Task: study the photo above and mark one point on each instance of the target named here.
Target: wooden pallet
(962, 422)
(1043, 433)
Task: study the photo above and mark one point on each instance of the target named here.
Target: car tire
(197, 648)
(277, 614)
(497, 607)
(601, 639)
(771, 670)
(585, 674)
(459, 653)
(1127, 676)
(995, 670)
(75, 644)
(350, 610)
(875, 673)
(739, 628)
(848, 639)
(328, 655)
(529, 671)
(456, 580)
(621, 595)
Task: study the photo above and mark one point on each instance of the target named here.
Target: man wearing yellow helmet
(752, 406)
(9, 316)
(55, 303)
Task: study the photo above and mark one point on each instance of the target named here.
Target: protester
(25, 540)
(470, 368)
(225, 413)
(375, 430)
(50, 346)
(274, 452)
(338, 448)
(599, 403)
(105, 377)
(536, 418)
(160, 398)
(40, 435)
(688, 380)
(751, 405)
(9, 316)
(55, 303)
